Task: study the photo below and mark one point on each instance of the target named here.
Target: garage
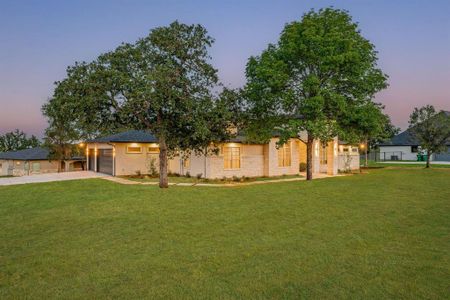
(105, 161)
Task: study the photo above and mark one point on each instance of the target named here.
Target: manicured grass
(402, 165)
(184, 179)
(379, 235)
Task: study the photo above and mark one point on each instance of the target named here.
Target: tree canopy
(17, 140)
(431, 128)
(320, 70)
(163, 83)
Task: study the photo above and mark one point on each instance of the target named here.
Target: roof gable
(131, 136)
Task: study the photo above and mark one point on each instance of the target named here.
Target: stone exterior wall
(273, 168)
(251, 165)
(21, 167)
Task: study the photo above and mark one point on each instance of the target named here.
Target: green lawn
(385, 234)
(405, 165)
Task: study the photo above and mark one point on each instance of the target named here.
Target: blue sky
(39, 39)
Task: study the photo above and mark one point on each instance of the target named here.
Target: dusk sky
(39, 39)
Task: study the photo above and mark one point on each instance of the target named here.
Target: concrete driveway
(51, 177)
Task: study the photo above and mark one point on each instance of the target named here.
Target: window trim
(152, 152)
(231, 157)
(323, 154)
(283, 149)
(133, 152)
(186, 163)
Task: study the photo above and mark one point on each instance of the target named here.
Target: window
(186, 163)
(36, 167)
(414, 149)
(323, 155)
(354, 149)
(231, 157)
(134, 149)
(153, 149)
(284, 155)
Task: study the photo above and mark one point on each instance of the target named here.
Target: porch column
(316, 156)
(95, 158)
(332, 157)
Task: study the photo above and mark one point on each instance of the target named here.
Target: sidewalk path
(49, 177)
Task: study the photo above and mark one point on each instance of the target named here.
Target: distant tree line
(17, 140)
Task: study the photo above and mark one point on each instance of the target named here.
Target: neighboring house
(34, 161)
(405, 146)
(137, 152)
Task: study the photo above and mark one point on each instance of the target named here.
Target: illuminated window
(153, 150)
(284, 155)
(231, 157)
(186, 163)
(323, 155)
(134, 149)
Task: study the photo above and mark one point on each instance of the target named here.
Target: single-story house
(35, 161)
(405, 146)
(137, 152)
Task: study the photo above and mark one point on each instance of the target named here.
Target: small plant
(199, 176)
(236, 179)
(188, 175)
(302, 167)
(138, 173)
(152, 168)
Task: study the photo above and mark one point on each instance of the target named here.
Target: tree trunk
(163, 180)
(59, 165)
(428, 158)
(309, 157)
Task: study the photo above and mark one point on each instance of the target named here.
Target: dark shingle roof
(132, 136)
(27, 154)
(407, 138)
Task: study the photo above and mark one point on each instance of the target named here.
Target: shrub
(188, 175)
(302, 167)
(199, 175)
(152, 169)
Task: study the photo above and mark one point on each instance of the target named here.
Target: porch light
(81, 145)
(362, 146)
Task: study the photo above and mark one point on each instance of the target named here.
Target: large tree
(431, 128)
(61, 135)
(366, 123)
(320, 68)
(17, 140)
(162, 83)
